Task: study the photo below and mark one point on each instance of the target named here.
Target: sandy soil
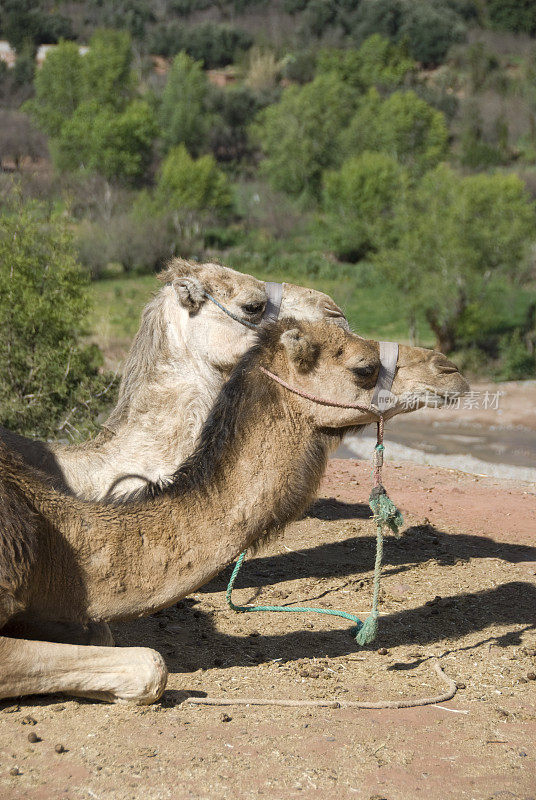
(459, 585)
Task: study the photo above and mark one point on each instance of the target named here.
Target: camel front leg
(115, 675)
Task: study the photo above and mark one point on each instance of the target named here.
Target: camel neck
(233, 492)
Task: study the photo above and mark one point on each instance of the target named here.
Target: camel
(260, 458)
(181, 356)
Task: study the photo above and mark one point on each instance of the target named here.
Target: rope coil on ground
(410, 703)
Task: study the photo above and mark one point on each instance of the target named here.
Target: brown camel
(180, 358)
(260, 458)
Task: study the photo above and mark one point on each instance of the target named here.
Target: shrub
(215, 44)
(377, 63)
(196, 185)
(51, 381)
(518, 16)
(360, 200)
(232, 110)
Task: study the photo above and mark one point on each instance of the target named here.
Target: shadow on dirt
(418, 544)
(189, 640)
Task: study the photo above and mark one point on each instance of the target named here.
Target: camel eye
(253, 308)
(339, 352)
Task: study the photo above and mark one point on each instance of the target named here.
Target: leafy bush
(516, 360)
(196, 185)
(107, 76)
(27, 23)
(215, 44)
(51, 381)
(377, 63)
(299, 134)
(232, 110)
(360, 200)
(518, 16)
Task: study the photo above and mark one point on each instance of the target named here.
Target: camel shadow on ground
(194, 642)
(419, 544)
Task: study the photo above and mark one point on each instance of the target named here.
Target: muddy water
(497, 450)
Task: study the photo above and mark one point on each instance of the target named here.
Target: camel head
(328, 362)
(207, 332)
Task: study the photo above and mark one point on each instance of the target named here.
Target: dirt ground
(459, 585)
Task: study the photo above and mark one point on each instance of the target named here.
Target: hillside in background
(381, 150)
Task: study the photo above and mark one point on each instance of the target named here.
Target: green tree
(183, 115)
(360, 200)
(107, 75)
(378, 62)
(58, 88)
(51, 382)
(518, 16)
(117, 145)
(299, 134)
(456, 236)
(27, 23)
(403, 125)
(192, 184)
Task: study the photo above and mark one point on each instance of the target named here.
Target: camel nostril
(443, 366)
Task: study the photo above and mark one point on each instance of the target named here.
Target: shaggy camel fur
(180, 358)
(260, 458)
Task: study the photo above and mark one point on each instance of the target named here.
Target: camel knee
(147, 679)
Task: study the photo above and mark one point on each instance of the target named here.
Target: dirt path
(459, 585)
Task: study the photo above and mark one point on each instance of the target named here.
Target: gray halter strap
(382, 390)
(274, 292)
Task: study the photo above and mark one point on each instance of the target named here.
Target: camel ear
(190, 292)
(300, 349)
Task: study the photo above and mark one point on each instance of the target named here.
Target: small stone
(59, 748)
(382, 651)
(11, 709)
(14, 771)
(522, 680)
(28, 720)
(33, 738)
(225, 717)
(460, 685)
(531, 676)
(58, 708)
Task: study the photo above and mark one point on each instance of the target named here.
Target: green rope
(385, 514)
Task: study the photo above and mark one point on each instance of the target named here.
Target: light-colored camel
(260, 458)
(180, 358)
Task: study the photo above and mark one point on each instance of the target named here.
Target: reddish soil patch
(459, 585)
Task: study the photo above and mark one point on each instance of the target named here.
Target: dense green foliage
(214, 44)
(195, 185)
(325, 153)
(51, 383)
(456, 238)
(183, 113)
(299, 134)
